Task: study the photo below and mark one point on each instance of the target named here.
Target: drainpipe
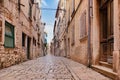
(89, 35)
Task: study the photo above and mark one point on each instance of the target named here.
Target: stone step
(105, 71)
(105, 64)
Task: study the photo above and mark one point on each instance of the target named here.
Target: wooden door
(107, 38)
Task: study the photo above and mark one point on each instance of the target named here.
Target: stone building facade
(90, 34)
(52, 47)
(20, 24)
(59, 29)
(42, 38)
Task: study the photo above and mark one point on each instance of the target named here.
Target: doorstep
(105, 71)
(105, 64)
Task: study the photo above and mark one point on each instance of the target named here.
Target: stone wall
(22, 24)
(79, 49)
(11, 57)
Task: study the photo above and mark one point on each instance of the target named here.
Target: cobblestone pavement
(50, 68)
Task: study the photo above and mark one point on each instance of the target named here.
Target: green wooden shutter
(9, 35)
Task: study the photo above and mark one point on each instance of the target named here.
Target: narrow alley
(50, 68)
(59, 39)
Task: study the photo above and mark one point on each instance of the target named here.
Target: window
(111, 19)
(38, 37)
(73, 8)
(73, 5)
(68, 15)
(34, 41)
(38, 40)
(107, 38)
(32, 1)
(73, 35)
(1, 2)
(30, 10)
(107, 21)
(19, 6)
(104, 23)
(103, 2)
(91, 8)
(23, 39)
(9, 35)
(83, 31)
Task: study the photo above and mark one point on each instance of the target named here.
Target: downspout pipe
(89, 36)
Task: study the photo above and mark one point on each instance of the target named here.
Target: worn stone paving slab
(83, 72)
(50, 68)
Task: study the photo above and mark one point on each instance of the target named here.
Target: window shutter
(9, 35)
(73, 35)
(83, 32)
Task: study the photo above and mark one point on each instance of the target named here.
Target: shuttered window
(9, 35)
(83, 31)
(73, 35)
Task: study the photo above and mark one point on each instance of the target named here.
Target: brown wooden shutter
(83, 25)
(73, 35)
(9, 35)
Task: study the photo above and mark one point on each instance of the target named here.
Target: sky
(48, 16)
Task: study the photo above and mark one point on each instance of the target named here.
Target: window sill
(9, 47)
(83, 38)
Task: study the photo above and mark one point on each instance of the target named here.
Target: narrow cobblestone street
(50, 68)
